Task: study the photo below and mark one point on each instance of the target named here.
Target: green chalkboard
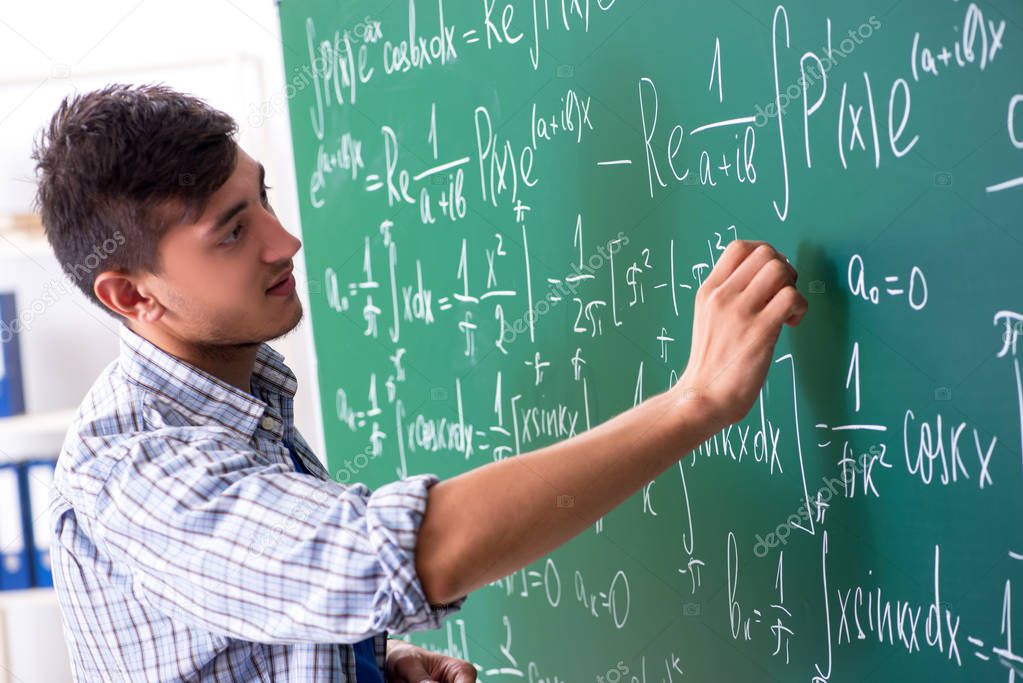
(507, 209)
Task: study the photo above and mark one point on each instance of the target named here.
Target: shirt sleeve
(231, 541)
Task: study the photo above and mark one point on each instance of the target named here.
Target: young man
(196, 537)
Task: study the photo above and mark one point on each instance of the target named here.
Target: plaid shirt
(187, 548)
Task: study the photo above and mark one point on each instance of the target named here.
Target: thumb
(413, 670)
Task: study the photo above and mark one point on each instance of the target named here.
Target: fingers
(758, 273)
(761, 255)
(771, 277)
(735, 253)
(787, 306)
(792, 268)
(415, 671)
(466, 673)
(740, 263)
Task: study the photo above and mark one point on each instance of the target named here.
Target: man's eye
(234, 236)
(263, 195)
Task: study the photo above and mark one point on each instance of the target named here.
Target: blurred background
(226, 52)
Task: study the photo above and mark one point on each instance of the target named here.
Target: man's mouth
(284, 285)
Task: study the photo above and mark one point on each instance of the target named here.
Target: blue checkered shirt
(186, 546)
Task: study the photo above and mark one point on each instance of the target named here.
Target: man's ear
(127, 296)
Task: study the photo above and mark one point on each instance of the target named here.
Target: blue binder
(15, 555)
(12, 395)
(38, 475)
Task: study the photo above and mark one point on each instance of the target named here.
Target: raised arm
(491, 521)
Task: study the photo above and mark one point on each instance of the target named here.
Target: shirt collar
(205, 398)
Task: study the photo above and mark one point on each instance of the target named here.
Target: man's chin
(291, 324)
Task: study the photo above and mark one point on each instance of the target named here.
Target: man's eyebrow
(227, 215)
(237, 207)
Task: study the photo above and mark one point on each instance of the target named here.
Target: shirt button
(268, 423)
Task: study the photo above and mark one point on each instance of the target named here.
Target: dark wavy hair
(117, 167)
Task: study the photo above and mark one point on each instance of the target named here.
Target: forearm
(496, 519)
(493, 520)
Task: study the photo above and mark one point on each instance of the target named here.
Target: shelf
(32, 644)
(28, 596)
(33, 435)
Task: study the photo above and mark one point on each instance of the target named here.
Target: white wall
(228, 53)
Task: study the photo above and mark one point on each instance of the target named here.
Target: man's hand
(740, 309)
(739, 313)
(407, 663)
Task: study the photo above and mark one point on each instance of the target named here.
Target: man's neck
(232, 364)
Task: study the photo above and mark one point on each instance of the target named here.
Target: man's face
(216, 275)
